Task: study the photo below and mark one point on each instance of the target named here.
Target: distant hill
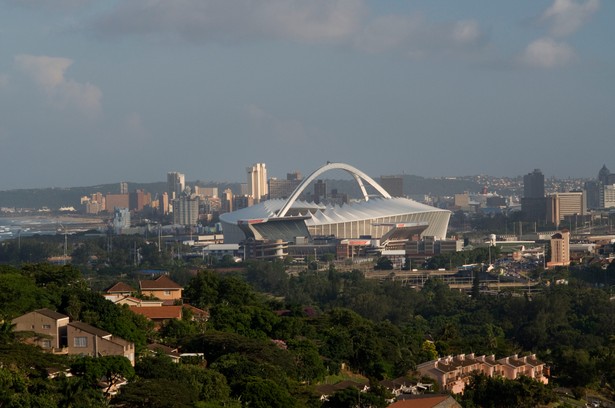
(55, 198)
(413, 185)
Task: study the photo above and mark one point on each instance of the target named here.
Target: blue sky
(94, 92)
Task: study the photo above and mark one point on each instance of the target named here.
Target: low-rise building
(453, 373)
(53, 332)
(48, 325)
(162, 288)
(86, 340)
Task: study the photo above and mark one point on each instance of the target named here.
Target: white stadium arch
(358, 175)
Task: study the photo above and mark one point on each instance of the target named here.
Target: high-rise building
(284, 188)
(206, 191)
(603, 175)
(394, 185)
(560, 249)
(257, 181)
(561, 205)
(533, 202)
(186, 210)
(138, 199)
(320, 191)
(123, 187)
(117, 201)
(608, 196)
(592, 192)
(176, 183)
(163, 203)
(605, 179)
(227, 200)
(534, 184)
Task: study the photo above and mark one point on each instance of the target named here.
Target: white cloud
(339, 22)
(49, 74)
(466, 32)
(568, 16)
(238, 20)
(417, 37)
(547, 53)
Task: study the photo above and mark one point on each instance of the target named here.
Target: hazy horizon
(97, 91)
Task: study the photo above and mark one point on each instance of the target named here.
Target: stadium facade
(294, 221)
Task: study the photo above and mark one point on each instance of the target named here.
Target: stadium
(296, 222)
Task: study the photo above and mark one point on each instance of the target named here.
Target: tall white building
(257, 181)
(176, 182)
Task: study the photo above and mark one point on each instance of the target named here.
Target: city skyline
(94, 93)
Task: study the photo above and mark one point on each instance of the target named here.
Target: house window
(80, 342)
(46, 344)
(46, 326)
(167, 292)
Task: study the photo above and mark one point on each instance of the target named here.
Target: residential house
(50, 327)
(120, 288)
(87, 340)
(162, 288)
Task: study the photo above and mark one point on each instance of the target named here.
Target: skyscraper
(176, 183)
(257, 181)
(534, 184)
(320, 191)
(533, 203)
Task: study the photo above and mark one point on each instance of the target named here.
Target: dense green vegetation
(272, 337)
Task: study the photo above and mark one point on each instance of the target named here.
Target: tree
(264, 393)
(110, 369)
(156, 393)
(384, 263)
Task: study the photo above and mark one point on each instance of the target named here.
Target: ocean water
(13, 226)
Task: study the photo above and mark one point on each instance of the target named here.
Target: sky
(96, 92)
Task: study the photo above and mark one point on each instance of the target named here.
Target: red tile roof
(159, 312)
(161, 282)
(200, 313)
(120, 287)
(425, 402)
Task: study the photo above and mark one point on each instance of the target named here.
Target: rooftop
(161, 282)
